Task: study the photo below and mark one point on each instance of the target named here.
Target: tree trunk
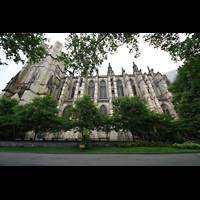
(35, 134)
(133, 137)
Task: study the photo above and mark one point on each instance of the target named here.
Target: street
(42, 159)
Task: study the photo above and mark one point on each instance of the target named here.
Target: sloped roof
(171, 75)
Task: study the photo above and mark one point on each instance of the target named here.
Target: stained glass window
(133, 87)
(103, 89)
(91, 89)
(120, 90)
(103, 110)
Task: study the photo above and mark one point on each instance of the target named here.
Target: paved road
(40, 159)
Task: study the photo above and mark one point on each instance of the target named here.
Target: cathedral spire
(148, 68)
(110, 71)
(109, 67)
(123, 71)
(134, 67)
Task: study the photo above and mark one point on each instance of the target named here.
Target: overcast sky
(154, 58)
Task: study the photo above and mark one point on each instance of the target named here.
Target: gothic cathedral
(48, 76)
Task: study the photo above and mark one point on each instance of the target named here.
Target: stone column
(77, 89)
(128, 86)
(115, 86)
(157, 104)
(153, 97)
(64, 93)
(144, 91)
(163, 86)
(82, 88)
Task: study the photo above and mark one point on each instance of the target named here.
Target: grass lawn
(97, 149)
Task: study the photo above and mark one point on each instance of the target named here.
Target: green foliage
(186, 98)
(85, 52)
(40, 115)
(84, 114)
(85, 139)
(8, 123)
(139, 144)
(28, 43)
(132, 114)
(106, 123)
(187, 145)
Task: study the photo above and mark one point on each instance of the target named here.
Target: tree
(106, 123)
(84, 114)
(131, 114)
(85, 52)
(162, 127)
(40, 115)
(186, 98)
(29, 43)
(188, 50)
(8, 127)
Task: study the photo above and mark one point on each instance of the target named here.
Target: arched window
(91, 89)
(65, 111)
(73, 90)
(133, 87)
(165, 109)
(103, 110)
(103, 89)
(120, 88)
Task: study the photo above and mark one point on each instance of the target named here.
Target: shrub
(138, 144)
(187, 145)
(178, 138)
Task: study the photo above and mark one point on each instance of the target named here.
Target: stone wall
(54, 144)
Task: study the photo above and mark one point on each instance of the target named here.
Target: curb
(105, 153)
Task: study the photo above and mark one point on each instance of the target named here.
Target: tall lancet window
(133, 87)
(91, 89)
(120, 90)
(73, 90)
(103, 89)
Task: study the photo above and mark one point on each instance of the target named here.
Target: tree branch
(98, 41)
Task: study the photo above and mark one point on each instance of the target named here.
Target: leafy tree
(8, 126)
(40, 115)
(84, 114)
(106, 123)
(131, 114)
(186, 98)
(162, 127)
(28, 43)
(187, 50)
(85, 52)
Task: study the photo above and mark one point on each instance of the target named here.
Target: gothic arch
(91, 88)
(133, 87)
(103, 109)
(120, 90)
(64, 111)
(165, 108)
(102, 89)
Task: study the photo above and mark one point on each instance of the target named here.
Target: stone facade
(48, 76)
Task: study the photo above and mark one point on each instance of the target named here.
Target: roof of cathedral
(171, 75)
